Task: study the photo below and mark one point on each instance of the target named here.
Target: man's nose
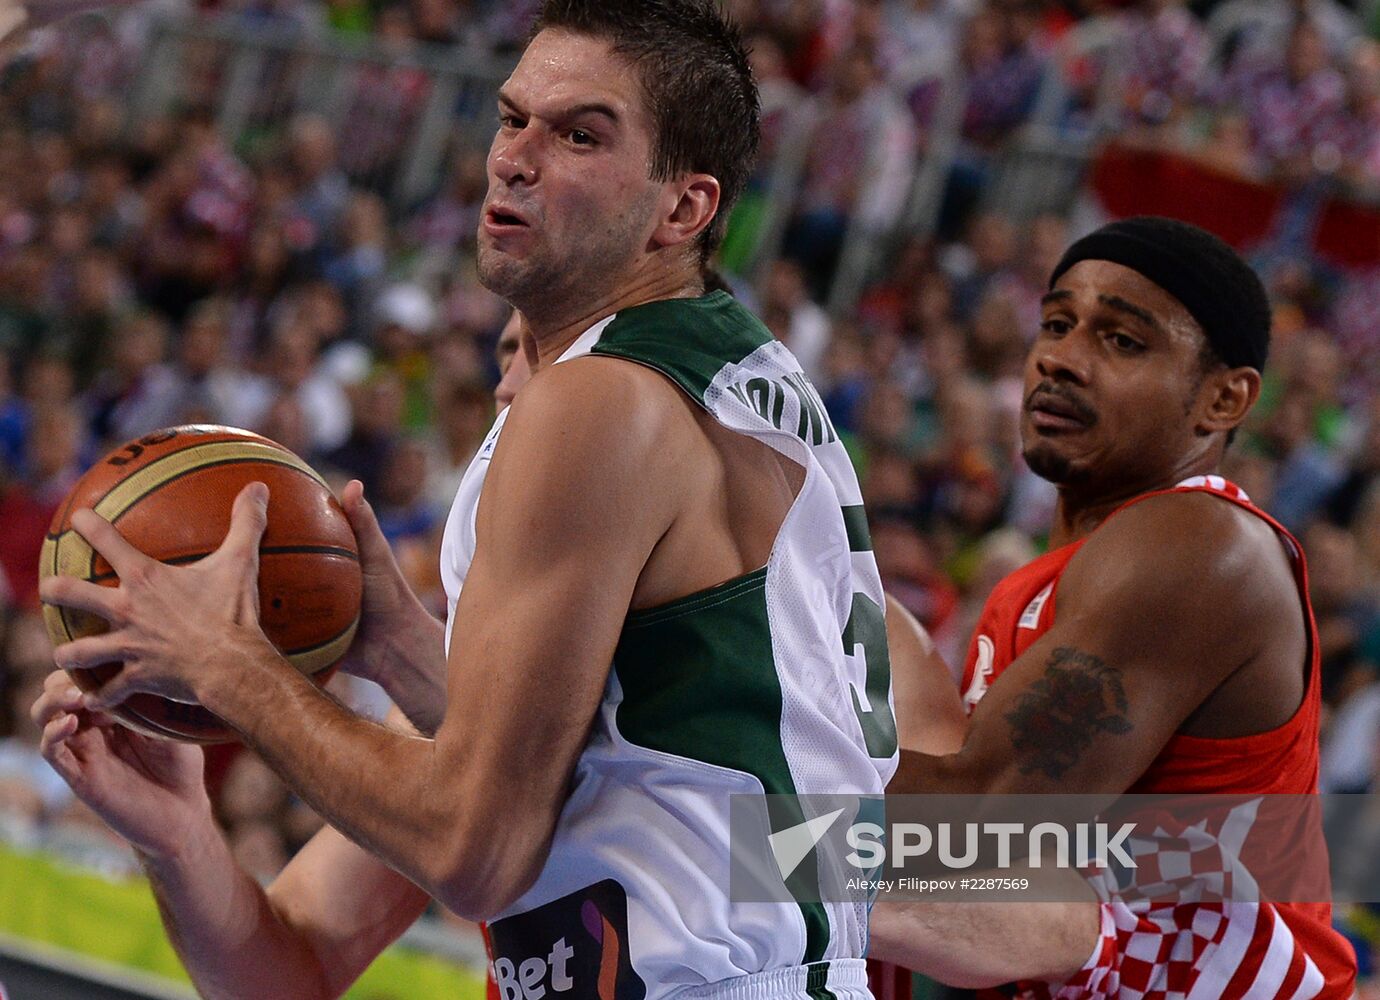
(1065, 358)
(514, 158)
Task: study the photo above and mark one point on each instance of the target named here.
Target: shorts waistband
(846, 974)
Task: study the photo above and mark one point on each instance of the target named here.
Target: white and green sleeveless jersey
(774, 682)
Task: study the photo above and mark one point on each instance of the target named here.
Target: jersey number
(867, 628)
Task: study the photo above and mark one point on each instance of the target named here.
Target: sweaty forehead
(1090, 279)
(561, 70)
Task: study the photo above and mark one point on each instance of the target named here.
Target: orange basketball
(170, 493)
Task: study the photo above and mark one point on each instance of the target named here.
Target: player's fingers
(91, 651)
(240, 550)
(57, 731)
(123, 557)
(373, 547)
(59, 696)
(248, 519)
(83, 595)
(54, 747)
(112, 692)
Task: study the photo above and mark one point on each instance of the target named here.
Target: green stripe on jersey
(816, 976)
(699, 681)
(690, 340)
(855, 523)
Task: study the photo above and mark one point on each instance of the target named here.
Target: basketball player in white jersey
(335, 907)
(661, 586)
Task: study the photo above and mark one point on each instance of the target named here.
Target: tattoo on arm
(1054, 722)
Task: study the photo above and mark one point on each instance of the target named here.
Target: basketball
(169, 493)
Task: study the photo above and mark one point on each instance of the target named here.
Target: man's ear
(695, 205)
(1230, 394)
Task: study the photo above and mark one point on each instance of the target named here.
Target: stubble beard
(591, 270)
(1049, 465)
(542, 286)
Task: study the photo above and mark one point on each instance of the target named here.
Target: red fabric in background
(1243, 212)
(1348, 234)
(25, 523)
(888, 981)
(1149, 182)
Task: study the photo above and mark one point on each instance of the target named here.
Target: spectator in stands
(437, 22)
(463, 415)
(405, 320)
(1357, 128)
(138, 392)
(266, 273)
(1259, 29)
(910, 572)
(388, 96)
(29, 793)
(358, 256)
(790, 314)
(403, 504)
(447, 224)
(351, 18)
(252, 804)
(1004, 73)
(208, 388)
(319, 398)
(56, 456)
(1345, 603)
(1349, 502)
(853, 171)
(14, 418)
(987, 259)
(320, 186)
(100, 294)
(1292, 104)
(922, 36)
(377, 430)
(1166, 61)
(110, 199)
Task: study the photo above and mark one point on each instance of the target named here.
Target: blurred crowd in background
(155, 274)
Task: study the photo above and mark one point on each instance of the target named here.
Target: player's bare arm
(400, 645)
(310, 934)
(950, 942)
(929, 712)
(522, 688)
(1136, 655)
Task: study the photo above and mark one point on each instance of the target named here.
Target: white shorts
(845, 979)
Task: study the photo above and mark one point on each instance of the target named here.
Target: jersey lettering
(1030, 617)
(768, 397)
(982, 673)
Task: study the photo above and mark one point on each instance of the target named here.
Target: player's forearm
(935, 774)
(227, 934)
(392, 794)
(952, 942)
(411, 667)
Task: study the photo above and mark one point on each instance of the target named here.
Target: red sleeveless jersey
(1224, 950)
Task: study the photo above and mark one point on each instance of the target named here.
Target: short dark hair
(697, 80)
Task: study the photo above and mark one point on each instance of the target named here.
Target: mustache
(1070, 399)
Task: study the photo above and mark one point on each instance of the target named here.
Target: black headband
(1215, 285)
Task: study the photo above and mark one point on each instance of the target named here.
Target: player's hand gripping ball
(170, 494)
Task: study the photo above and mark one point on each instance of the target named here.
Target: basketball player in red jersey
(1166, 642)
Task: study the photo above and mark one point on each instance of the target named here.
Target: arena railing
(397, 112)
(1044, 167)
